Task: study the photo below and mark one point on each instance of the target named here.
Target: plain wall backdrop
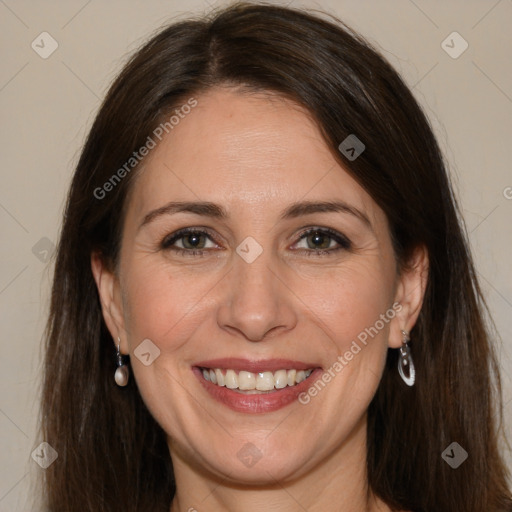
(47, 106)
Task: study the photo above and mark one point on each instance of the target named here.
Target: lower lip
(256, 403)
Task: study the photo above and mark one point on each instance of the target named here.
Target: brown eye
(191, 241)
(320, 240)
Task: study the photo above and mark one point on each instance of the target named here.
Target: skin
(254, 155)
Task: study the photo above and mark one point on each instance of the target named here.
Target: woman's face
(276, 284)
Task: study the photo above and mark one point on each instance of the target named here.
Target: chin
(253, 468)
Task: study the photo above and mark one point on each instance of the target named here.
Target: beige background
(47, 106)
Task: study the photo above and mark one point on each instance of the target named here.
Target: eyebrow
(213, 210)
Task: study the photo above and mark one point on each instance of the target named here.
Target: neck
(337, 483)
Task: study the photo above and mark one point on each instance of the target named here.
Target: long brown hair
(113, 456)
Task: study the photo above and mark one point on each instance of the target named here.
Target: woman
(263, 298)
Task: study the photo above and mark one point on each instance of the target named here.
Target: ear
(111, 302)
(410, 292)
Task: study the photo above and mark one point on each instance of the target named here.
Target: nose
(256, 303)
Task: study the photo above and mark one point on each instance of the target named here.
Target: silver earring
(405, 363)
(122, 371)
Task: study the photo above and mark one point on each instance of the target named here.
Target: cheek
(165, 306)
(351, 299)
(162, 303)
(354, 307)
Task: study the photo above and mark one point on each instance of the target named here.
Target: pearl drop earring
(122, 371)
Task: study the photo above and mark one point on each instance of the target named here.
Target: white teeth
(301, 375)
(246, 381)
(265, 381)
(280, 379)
(220, 377)
(231, 379)
(253, 382)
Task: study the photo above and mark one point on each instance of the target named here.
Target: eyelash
(344, 243)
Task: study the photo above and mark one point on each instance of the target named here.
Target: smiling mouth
(254, 382)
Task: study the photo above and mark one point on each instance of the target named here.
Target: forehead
(244, 149)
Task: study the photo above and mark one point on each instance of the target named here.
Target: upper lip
(262, 365)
